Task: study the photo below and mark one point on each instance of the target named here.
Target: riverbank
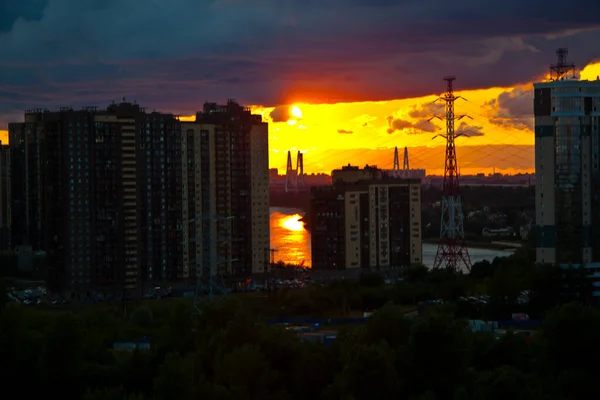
(496, 245)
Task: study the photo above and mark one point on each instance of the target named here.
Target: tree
(440, 338)
(369, 373)
(388, 324)
(175, 379)
(245, 373)
(504, 383)
(117, 393)
(62, 357)
(3, 294)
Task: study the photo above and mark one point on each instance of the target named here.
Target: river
(292, 241)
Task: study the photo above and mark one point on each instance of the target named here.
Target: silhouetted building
(351, 174)
(5, 221)
(567, 158)
(371, 223)
(161, 181)
(234, 181)
(123, 200)
(80, 187)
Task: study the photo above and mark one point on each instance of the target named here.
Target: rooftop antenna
(560, 70)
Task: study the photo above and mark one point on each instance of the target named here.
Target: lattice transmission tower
(452, 251)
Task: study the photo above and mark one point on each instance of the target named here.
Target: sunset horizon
(360, 77)
(500, 136)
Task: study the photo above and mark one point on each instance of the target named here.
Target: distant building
(366, 220)
(5, 222)
(567, 159)
(353, 174)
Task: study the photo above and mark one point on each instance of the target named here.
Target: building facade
(5, 220)
(234, 182)
(366, 224)
(567, 151)
(123, 200)
(76, 196)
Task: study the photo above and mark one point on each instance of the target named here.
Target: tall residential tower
(567, 151)
(123, 200)
(5, 220)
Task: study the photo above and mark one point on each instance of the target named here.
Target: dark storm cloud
(512, 109)
(465, 129)
(401, 125)
(175, 54)
(280, 114)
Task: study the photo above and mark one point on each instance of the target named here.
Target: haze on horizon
(362, 74)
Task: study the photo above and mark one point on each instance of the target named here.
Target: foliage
(230, 352)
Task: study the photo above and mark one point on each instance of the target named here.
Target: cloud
(343, 131)
(469, 130)
(512, 109)
(396, 124)
(427, 110)
(88, 52)
(280, 114)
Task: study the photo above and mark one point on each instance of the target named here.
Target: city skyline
(361, 67)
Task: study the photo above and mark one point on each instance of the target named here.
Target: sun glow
(296, 112)
(293, 223)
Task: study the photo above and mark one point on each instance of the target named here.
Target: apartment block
(5, 220)
(567, 150)
(234, 185)
(80, 187)
(372, 223)
(123, 200)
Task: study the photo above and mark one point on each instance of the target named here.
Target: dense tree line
(517, 204)
(229, 352)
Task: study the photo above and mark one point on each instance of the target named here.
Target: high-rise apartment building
(231, 155)
(567, 152)
(123, 200)
(366, 220)
(81, 181)
(5, 221)
(161, 181)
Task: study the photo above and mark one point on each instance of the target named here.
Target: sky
(369, 67)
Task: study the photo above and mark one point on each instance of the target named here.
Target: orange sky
(317, 133)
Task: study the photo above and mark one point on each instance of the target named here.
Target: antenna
(559, 71)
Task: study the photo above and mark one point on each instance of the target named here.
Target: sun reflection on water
(289, 237)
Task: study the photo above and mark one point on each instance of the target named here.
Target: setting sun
(296, 112)
(293, 223)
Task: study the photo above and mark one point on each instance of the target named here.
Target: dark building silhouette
(234, 179)
(123, 200)
(366, 220)
(80, 192)
(5, 222)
